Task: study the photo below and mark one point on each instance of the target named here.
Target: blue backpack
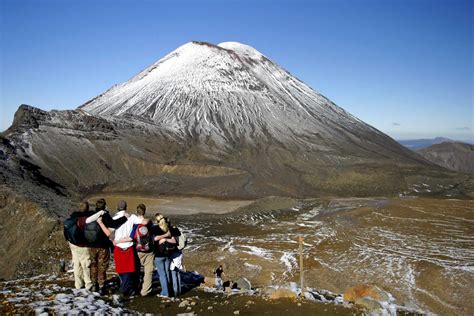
(72, 232)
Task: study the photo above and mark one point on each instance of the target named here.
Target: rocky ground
(418, 249)
(414, 255)
(53, 295)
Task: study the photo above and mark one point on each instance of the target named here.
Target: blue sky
(405, 67)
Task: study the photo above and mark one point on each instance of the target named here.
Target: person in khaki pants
(99, 249)
(80, 253)
(82, 264)
(147, 261)
(144, 246)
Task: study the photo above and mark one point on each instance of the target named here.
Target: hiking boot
(95, 288)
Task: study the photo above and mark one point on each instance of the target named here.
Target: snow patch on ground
(45, 297)
(289, 261)
(257, 251)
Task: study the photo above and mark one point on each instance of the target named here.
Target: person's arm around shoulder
(174, 233)
(110, 222)
(136, 220)
(156, 231)
(104, 228)
(94, 217)
(123, 240)
(171, 240)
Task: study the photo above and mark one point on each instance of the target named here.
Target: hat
(122, 205)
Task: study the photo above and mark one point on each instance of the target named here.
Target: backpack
(72, 232)
(144, 238)
(91, 232)
(182, 241)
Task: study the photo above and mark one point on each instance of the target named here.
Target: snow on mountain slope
(232, 92)
(215, 120)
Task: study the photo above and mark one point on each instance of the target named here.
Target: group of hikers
(137, 242)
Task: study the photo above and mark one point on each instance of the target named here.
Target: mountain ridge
(416, 144)
(221, 121)
(281, 106)
(452, 155)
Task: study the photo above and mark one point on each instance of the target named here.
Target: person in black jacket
(100, 249)
(161, 235)
(80, 251)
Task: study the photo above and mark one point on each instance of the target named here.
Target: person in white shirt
(143, 238)
(125, 256)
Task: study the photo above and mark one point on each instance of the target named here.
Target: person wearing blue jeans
(162, 265)
(176, 257)
(162, 262)
(175, 267)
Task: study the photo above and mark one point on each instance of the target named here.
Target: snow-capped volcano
(216, 120)
(229, 91)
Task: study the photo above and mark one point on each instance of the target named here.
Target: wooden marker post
(301, 266)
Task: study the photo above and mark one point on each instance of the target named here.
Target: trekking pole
(301, 265)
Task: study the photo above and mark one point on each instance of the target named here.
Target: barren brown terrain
(418, 249)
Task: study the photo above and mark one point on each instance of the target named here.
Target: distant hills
(416, 144)
(444, 152)
(451, 155)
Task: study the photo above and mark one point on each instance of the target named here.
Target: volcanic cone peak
(242, 49)
(216, 120)
(231, 93)
(198, 81)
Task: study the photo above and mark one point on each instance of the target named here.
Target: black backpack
(72, 232)
(91, 232)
